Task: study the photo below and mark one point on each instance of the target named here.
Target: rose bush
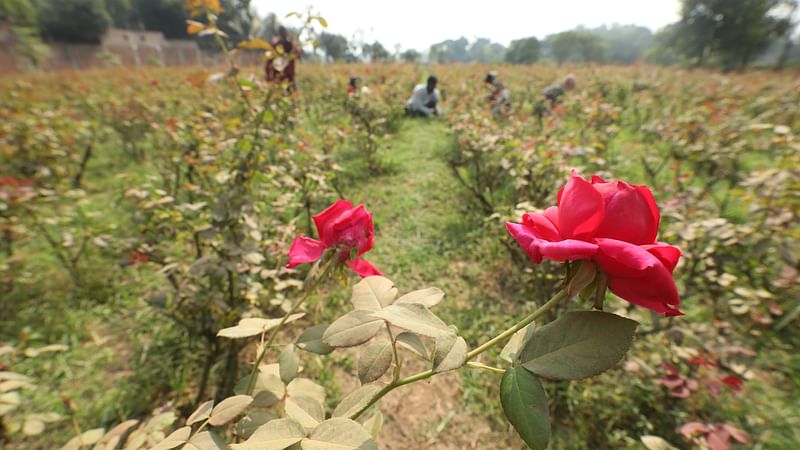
(615, 224)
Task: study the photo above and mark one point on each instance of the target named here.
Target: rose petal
(537, 249)
(363, 268)
(541, 227)
(619, 258)
(630, 215)
(657, 293)
(691, 429)
(580, 209)
(324, 220)
(354, 229)
(305, 250)
(667, 254)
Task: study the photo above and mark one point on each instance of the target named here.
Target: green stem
(550, 304)
(474, 365)
(311, 283)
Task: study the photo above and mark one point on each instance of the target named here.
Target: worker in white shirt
(424, 101)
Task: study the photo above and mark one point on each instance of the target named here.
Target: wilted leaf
(311, 340)
(356, 400)
(414, 317)
(413, 343)
(289, 364)
(274, 435)
(374, 361)
(268, 390)
(373, 293)
(511, 350)
(176, 438)
(579, 344)
(255, 43)
(352, 329)
(428, 297)
(450, 353)
(228, 409)
(525, 406)
(339, 434)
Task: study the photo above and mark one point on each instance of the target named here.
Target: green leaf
(356, 400)
(85, 439)
(274, 435)
(253, 326)
(525, 406)
(201, 413)
(579, 344)
(510, 352)
(374, 423)
(206, 440)
(450, 353)
(268, 390)
(303, 387)
(228, 409)
(311, 340)
(375, 361)
(413, 343)
(178, 437)
(305, 410)
(414, 317)
(373, 293)
(339, 434)
(289, 364)
(322, 21)
(428, 297)
(352, 329)
(252, 421)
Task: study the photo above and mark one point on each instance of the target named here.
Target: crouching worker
(424, 100)
(498, 97)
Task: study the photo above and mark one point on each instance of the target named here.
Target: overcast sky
(418, 24)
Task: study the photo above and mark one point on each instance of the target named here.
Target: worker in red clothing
(280, 69)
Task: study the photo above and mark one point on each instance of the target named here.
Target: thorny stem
(310, 285)
(550, 304)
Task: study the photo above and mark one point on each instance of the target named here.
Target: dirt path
(420, 232)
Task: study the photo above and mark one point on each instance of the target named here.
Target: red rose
(614, 224)
(341, 227)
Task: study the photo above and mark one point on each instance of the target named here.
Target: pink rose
(615, 224)
(344, 228)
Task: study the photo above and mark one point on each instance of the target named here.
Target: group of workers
(425, 98)
(424, 101)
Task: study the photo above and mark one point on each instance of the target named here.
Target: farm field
(144, 210)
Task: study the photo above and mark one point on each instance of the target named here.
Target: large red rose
(615, 224)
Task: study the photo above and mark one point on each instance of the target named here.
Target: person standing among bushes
(424, 100)
(281, 68)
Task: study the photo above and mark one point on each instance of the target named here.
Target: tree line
(731, 34)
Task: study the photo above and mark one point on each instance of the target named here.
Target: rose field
(207, 262)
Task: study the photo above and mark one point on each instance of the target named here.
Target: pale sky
(418, 24)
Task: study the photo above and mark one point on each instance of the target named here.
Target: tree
(166, 16)
(23, 17)
(485, 51)
(734, 30)
(624, 43)
(375, 51)
(334, 45)
(410, 56)
(74, 20)
(523, 51)
(576, 45)
(450, 51)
